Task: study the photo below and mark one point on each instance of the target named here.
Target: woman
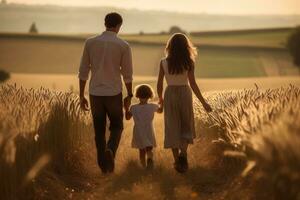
(178, 68)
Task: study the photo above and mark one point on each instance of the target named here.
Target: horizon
(280, 7)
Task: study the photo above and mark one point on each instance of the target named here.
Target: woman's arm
(196, 90)
(160, 83)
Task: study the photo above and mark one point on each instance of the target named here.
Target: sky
(234, 7)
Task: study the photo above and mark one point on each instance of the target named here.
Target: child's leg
(149, 152)
(143, 157)
(149, 157)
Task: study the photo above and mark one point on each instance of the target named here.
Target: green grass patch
(264, 39)
(223, 63)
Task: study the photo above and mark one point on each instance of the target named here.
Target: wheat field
(247, 148)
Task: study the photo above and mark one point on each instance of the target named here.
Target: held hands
(161, 101)
(161, 105)
(127, 103)
(84, 105)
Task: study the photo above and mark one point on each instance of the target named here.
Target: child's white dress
(143, 130)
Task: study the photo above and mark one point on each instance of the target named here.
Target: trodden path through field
(206, 179)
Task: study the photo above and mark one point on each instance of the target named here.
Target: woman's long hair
(180, 53)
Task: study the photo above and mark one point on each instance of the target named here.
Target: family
(109, 60)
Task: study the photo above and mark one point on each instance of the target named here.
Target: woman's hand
(207, 107)
(161, 105)
(161, 101)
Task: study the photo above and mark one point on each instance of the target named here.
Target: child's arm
(196, 90)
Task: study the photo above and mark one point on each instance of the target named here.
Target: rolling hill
(55, 19)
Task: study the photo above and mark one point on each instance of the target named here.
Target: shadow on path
(164, 182)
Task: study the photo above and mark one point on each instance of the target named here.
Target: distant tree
(176, 29)
(33, 28)
(141, 33)
(4, 75)
(293, 45)
(4, 2)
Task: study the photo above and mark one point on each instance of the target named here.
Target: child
(143, 130)
(178, 68)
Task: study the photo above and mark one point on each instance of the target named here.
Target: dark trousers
(104, 107)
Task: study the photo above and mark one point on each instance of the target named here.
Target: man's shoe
(110, 161)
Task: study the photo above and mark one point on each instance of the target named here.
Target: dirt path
(130, 181)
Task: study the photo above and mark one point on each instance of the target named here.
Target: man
(108, 58)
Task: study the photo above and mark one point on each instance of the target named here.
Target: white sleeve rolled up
(126, 65)
(85, 64)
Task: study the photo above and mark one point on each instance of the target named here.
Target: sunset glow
(190, 6)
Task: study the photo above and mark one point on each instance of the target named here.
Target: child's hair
(144, 91)
(180, 53)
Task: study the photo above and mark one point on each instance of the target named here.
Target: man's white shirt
(108, 58)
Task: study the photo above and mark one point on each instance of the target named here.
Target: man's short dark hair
(113, 19)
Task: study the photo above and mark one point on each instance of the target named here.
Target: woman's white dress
(178, 109)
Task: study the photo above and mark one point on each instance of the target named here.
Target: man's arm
(128, 114)
(82, 84)
(127, 73)
(129, 88)
(126, 69)
(83, 75)
(83, 101)
(127, 100)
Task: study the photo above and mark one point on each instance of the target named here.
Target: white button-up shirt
(108, 58)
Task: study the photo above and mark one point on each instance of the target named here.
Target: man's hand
(84, 105)
(127, 102)
(207, 107)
